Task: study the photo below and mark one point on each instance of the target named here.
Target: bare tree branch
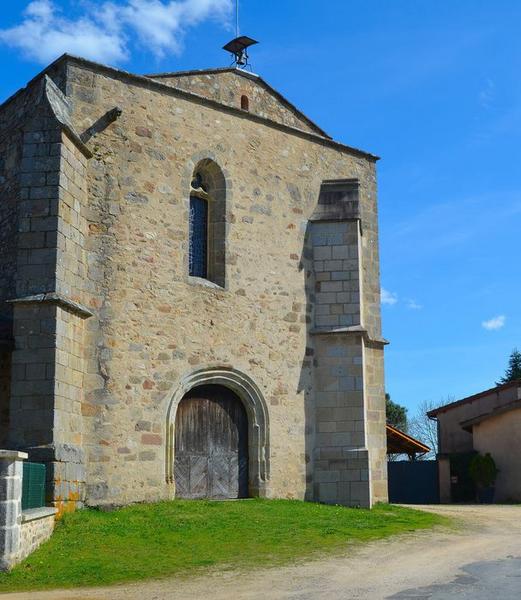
(425, 429)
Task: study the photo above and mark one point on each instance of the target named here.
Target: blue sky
(433, 87)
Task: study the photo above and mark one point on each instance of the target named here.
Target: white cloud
(494, 323)
(388, 297)
(160, 26)
(391, 298)
(413, 305)
(107, 31)
(44, 34)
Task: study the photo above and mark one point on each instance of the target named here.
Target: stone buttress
(348, 457)
(48, 314)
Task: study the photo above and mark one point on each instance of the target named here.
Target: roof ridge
(497, 388)
(199, 72)
(493, 412)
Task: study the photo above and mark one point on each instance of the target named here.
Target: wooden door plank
(219, 470)
(199, 485)
(182, 476)
(211, 445)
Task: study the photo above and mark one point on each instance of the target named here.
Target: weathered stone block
(9, 543)
(328, 493)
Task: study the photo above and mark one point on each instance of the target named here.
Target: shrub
(483, 470)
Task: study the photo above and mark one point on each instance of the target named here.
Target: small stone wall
(20, 532)
(37, 527)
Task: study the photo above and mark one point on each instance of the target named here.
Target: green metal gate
(413, 482)
(33, 485)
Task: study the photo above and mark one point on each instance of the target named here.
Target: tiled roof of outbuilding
(451, 405)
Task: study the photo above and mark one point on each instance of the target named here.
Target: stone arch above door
(258, 425)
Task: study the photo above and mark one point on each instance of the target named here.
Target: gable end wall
(228, 87)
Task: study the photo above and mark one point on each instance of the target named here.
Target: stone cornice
(13, 455)
(58, 299)
(353, 330)
(33, 514)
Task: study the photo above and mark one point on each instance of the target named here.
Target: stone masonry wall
(153, 326)
(12, 114)
(120, 248)
(11, 117)
(375, 421)
(67, 473)
(34, 531)
(33, 367)
(341, 457)
(46, 397)
(20, 532)
(337, 274)
(373, 353)
(47, 369)
(5, 393)
(348, 386)
(71, 261)
(228, 87)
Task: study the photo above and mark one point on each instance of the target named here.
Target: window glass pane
(198, 237)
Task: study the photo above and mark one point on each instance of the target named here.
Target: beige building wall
(452, 437)
(501, 436)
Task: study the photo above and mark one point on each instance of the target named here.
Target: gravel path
(480, 560)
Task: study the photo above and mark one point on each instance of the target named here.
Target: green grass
(145, 541)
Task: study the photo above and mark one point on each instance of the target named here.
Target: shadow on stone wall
(305, 384)
(6, 344)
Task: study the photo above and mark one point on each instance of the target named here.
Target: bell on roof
(239, 48)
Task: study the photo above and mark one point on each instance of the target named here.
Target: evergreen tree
(514, 368)
(396, 414)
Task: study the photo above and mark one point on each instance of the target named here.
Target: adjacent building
(488, 422)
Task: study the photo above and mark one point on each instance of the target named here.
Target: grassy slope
(174, 538)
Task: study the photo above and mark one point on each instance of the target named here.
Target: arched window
(198, 252)
(245, 103)
(207, 223)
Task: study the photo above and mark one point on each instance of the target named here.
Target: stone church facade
(179, 246)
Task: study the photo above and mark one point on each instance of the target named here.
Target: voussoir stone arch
(258, 425)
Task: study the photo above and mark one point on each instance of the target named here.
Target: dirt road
(480, 560)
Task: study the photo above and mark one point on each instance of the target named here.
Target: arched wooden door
(211, 445)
